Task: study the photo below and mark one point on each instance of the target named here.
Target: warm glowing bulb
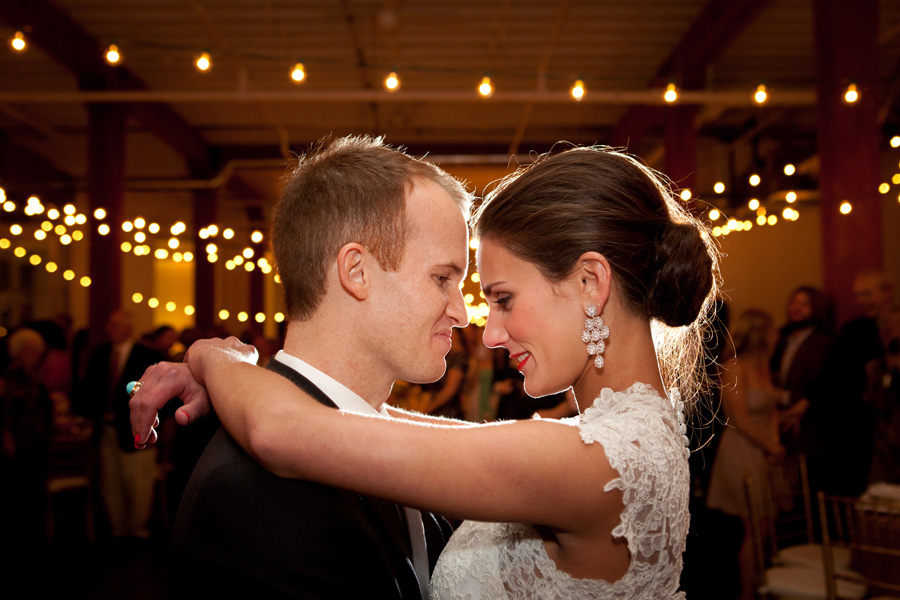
(248, 252)
(139, 222)
(112, 54)
(213, 230)
(85, 281)
(754, 180)
(52, 214)
(485, 88)
(895, 141)
(256, 237)
(204, 62)
(228, 234)
(126, 246)
(223, 314)
(137, 297)
(760, 95)
(714, 214)
(40, 235)
(719, 187)
(279, 317)
(761, 220)
(211, 249)
(789, 169)
(578, 90)
(99, 214)
(392, 82)
(771, 219)
(753, 204)
(299, 73)
(51, 267)
(188, 310)
(884, 188)
(791, 197)
(127, 226)
(68, 274)
(9, 206)
(686, 195)
(18, 42)
(161, 254)
(846, 207)
(171, 306)
(153, 302)
(242, 316)
(851, 95)
(671, 94)
(259, 317)
(140, 237)
(15, 229)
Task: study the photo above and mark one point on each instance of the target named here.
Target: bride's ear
(594, 278)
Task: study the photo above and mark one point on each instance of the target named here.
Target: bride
(597, 280)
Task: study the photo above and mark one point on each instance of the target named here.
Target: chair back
(790, 503)
(869, 529)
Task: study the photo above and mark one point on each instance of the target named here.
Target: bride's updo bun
(580, 200)
(684, 275)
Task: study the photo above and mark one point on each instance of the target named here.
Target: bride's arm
(530, 471)
(399, 413)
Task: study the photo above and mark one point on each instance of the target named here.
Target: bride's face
(538, 322)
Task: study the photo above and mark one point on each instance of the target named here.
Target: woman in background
(750, 401)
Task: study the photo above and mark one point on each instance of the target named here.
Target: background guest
(749, 399)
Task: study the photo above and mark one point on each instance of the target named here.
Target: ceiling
(234, 128)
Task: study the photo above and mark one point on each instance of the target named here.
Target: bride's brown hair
(580, 200)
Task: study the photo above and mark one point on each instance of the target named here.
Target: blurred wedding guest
(798, 364)
(162, 339)
(749, 398)
(55, 371)
(883, 395)
(127, 477)
(447, 392)
(861, 341)
(25, 428)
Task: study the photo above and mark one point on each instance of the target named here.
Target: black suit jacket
(242, 532)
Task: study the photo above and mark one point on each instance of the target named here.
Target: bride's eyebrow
(487, 288)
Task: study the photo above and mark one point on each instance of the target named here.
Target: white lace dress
(639, 432)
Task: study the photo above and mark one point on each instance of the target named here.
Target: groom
(371, 246)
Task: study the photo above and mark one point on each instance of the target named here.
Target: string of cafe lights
(297, 73)
(68, 233)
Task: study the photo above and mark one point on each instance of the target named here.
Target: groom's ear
(353, 264)
(595, 278)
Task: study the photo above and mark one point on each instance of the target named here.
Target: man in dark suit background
(243, 532)
(127, 477)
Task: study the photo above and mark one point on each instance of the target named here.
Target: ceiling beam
(704, 41)
(66, 42)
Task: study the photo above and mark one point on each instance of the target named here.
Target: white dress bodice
(640, 436)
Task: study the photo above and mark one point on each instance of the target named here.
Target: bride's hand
(204, 355)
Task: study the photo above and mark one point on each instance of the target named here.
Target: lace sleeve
(640, 435)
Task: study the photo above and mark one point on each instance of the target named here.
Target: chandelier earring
(594, 335)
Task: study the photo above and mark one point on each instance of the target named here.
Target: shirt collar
(345, 398)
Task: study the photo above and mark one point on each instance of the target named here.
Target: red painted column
(204, 214)
(106, 184)
(846, 35)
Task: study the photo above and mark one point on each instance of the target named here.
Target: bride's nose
(494, 333)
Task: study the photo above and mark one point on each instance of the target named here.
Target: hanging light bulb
(578, 89)
(18, 42)
(671, 93)
(852, 94)
(298, 75)
(204, 62)
(392, 82)
(760, 96)
(486, 89)
(112, 55)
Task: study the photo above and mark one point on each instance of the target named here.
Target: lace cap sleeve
(642, 439)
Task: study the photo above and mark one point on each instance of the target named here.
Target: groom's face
(420, 303)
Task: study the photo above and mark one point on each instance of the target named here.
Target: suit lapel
(388, 513)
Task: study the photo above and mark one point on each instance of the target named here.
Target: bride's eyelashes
(502, 303)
